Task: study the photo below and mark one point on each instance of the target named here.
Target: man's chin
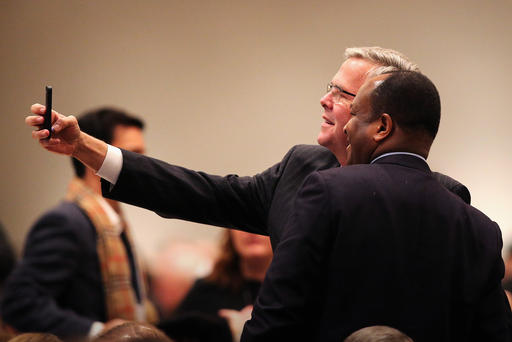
(322, 140)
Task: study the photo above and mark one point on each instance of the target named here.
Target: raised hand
(67, 138)
(65, 135)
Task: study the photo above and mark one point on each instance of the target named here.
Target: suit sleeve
(49, 262)
(290, 294)
(176, 192)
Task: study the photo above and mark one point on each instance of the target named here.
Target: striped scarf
(120, 297)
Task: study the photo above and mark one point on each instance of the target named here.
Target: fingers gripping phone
(47, 124)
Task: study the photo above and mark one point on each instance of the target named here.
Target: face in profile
(336, 104)
(250, 246)
(360, 129)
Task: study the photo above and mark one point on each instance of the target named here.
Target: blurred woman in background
(231, 288)
(236, 277)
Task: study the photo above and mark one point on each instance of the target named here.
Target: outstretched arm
(177, 192)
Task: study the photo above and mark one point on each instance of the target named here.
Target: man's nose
(326, 101)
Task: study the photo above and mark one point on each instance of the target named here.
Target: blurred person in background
(7, 257)
(7, 263)
(175, 269)
(236, 277)
(80, 273)
(224, 298)
(507, 279)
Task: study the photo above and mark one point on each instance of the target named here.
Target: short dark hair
(100, 123)
(411, 99)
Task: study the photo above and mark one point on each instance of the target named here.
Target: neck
(380, 152)
(341, 156)
(417, 144)
(92, 181)
(255, 268)
(342, 159)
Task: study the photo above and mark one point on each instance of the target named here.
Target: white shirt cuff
(96, 328)
(112, 165)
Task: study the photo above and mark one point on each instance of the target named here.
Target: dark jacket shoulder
(45, 292)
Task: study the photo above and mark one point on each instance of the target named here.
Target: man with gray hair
(380, 241)
(259, 204)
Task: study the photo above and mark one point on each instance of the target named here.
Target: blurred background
(230, 86)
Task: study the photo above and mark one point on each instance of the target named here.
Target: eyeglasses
(337, 92)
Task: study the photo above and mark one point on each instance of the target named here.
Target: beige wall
(229, 86)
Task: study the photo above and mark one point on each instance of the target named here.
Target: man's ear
(384, 127)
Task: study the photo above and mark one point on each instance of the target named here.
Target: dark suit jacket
(57, 286)
(383, 244)
(260, 204)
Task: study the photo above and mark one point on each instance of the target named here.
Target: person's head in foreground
(378, 333)
(35, 337)
(133, 332)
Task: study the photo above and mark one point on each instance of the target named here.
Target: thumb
(64, 122)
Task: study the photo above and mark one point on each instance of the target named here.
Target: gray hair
(387, 60)
(378, 333)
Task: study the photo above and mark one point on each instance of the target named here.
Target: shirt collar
(114, 218)
(395, 153)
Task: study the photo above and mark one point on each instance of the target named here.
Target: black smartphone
(48, 112)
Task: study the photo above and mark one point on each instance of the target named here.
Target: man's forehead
(352, 73)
